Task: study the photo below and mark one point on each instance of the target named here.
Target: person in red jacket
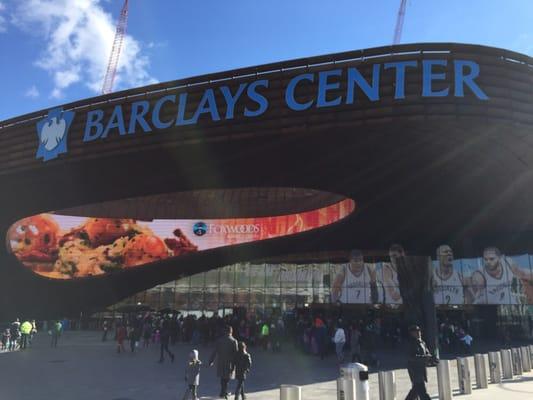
(121, 336)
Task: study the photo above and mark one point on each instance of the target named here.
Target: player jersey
(354, 289)
(391, 287)
(498, 288)
(506, 290)
(359, 290)
(448, 291)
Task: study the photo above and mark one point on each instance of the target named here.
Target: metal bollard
(526, 360)
(517, 361)
(481, 371)
(463, 375)
(507, 364)
(345, 389)
(290, 392)
(387, 385)
(531, 353)
(443, 380)
(358, 372)
(495, 369)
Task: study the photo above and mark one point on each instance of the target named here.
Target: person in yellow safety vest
(265, 333)
(25, 330)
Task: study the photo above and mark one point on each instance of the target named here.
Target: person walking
(224, 353)
(14, 335)
(121, 336)
(265, 335)
(6, 337)
(355, 343)
(467, 343)
(56, 330)
(105, 329)
(192, 376)
(132, 336)
(33, 331)
(243, 363)
(165, 340)
(25, 332)
(418, 358)
(147, 333)
(340, 340)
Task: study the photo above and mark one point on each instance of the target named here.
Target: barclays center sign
(224, 103)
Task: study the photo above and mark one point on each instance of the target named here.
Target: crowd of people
(312, 332)
(321, 334)
(454, 338)
(18, 336)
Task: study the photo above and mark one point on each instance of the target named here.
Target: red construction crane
(111, 71)
(399, 22)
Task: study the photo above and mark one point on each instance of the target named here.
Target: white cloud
(32, 92)
(3, 21)
(79, 35)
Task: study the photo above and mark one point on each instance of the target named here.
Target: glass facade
(254, 286)
(281, 285)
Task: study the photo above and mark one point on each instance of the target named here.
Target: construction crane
(112, 64)
(399, 22)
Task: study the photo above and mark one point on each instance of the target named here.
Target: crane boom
(112, 64)
(399, 22)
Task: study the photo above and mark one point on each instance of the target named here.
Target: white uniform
(448, 291)
(355, 288)
(498, 289)
(391, 287)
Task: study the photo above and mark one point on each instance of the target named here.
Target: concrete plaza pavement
(85, 368)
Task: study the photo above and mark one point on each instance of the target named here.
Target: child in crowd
(243, 363)
(5, 339)
(192, 376)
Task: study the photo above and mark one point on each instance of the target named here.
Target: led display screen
(66, 247)
(494, 278)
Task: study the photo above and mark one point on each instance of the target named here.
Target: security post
(463, 375)
(517, 361)
(526, 360)
(290, 392)
(495, 369)
(507, 363)
(443, 378)
(481, 371)
(387, 385)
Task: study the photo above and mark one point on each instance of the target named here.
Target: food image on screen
(65, 247)
(96, 246)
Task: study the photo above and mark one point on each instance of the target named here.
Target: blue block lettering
(289, 93)
(428, 76)
(94, 121)
(462, 79)
(208, 105)
(115, 121)
(139, 109)
(355, 78)
(324, 86)
(156, 120)
(182, 105)
(257, 97)
(400, 67)
(231, 99)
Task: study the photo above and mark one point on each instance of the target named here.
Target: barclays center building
(371, 180)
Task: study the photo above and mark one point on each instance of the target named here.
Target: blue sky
(55, 51)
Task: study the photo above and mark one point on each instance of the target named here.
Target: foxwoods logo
(52, 132)
(201, 228)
